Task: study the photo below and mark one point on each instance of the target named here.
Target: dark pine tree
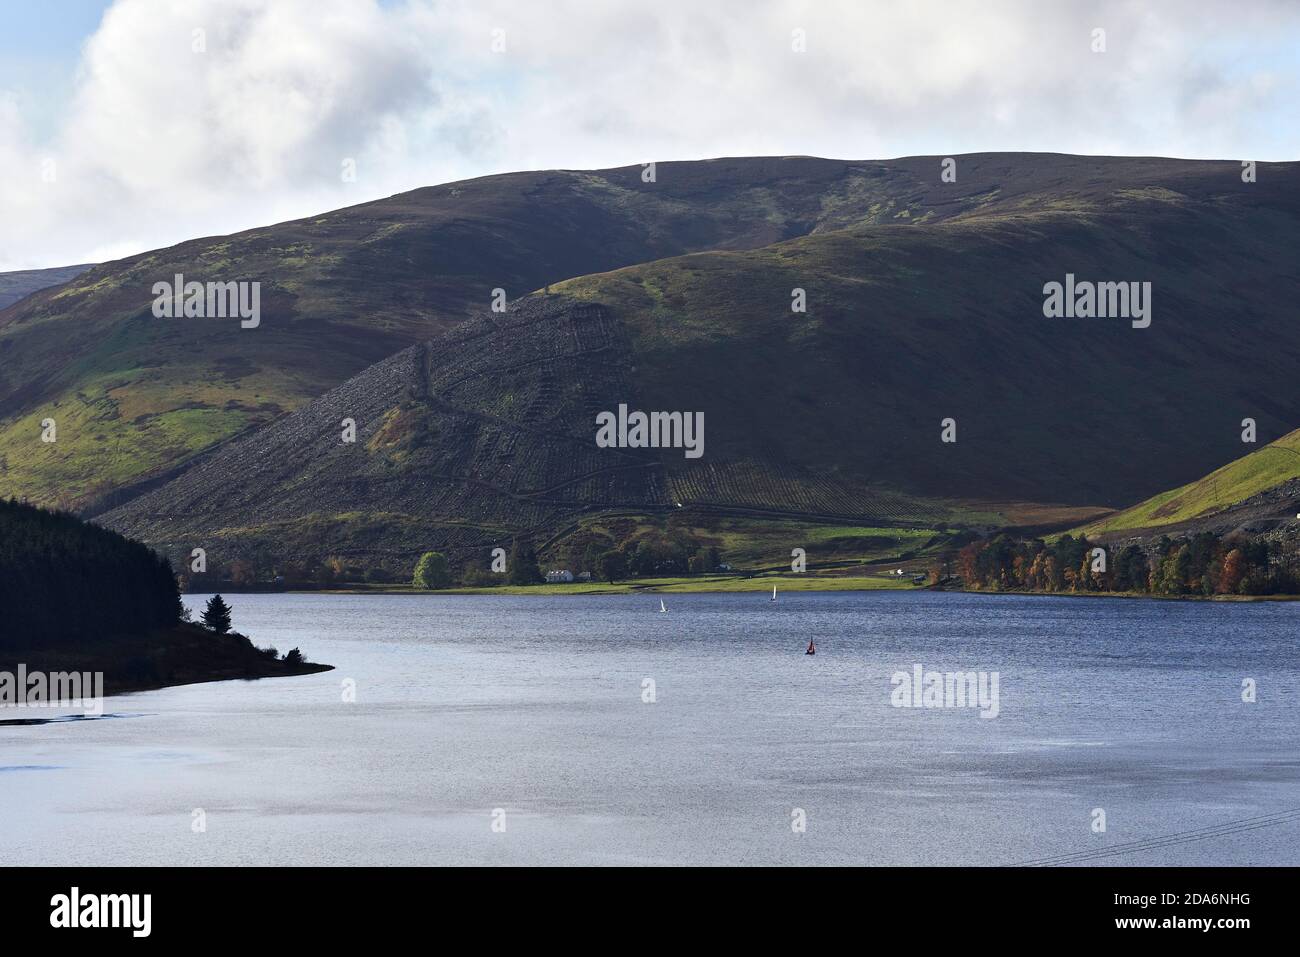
(217, 615)
(523, 568)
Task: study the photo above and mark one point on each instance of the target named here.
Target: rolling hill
(23, 282)
(1257, 492)
(465, 442)
(488, 430)
(907, 328)
(137, 398)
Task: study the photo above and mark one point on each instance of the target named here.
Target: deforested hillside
(466, 439)
(466, 442)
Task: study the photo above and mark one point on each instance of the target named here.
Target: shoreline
(307, 668)
(184, 654)
(754, 585)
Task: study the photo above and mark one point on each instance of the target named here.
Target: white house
(557, 575)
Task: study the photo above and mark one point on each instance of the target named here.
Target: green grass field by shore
(1239, 480)
(710, 583)
(761, 584)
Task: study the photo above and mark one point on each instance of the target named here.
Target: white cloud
(161, 143)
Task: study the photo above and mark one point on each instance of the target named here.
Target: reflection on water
(57, 719)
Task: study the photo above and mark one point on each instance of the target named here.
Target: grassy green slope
(1222, 489)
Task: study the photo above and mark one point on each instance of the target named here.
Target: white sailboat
(773, 593)
(662, 607)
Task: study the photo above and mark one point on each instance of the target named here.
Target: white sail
(773, 593)
(662, 606)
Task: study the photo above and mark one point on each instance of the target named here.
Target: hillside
(21, 283)
(463, 443)
(1258, 491)
(137, 398)
(908, 327)
(834, 414)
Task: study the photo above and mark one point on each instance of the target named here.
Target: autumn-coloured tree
(967, 564)
(1200, 565)
(242, 572)
(1019, 568)
(1084, 578)
(1051, 574)
(1234, 570)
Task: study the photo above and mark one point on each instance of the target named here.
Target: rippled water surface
(534, 706)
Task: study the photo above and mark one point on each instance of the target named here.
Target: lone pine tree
(217, 615)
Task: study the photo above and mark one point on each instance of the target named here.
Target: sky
(136, 124)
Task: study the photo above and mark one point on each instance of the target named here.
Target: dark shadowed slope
(905, 328)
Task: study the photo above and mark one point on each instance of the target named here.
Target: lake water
(534, 706)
